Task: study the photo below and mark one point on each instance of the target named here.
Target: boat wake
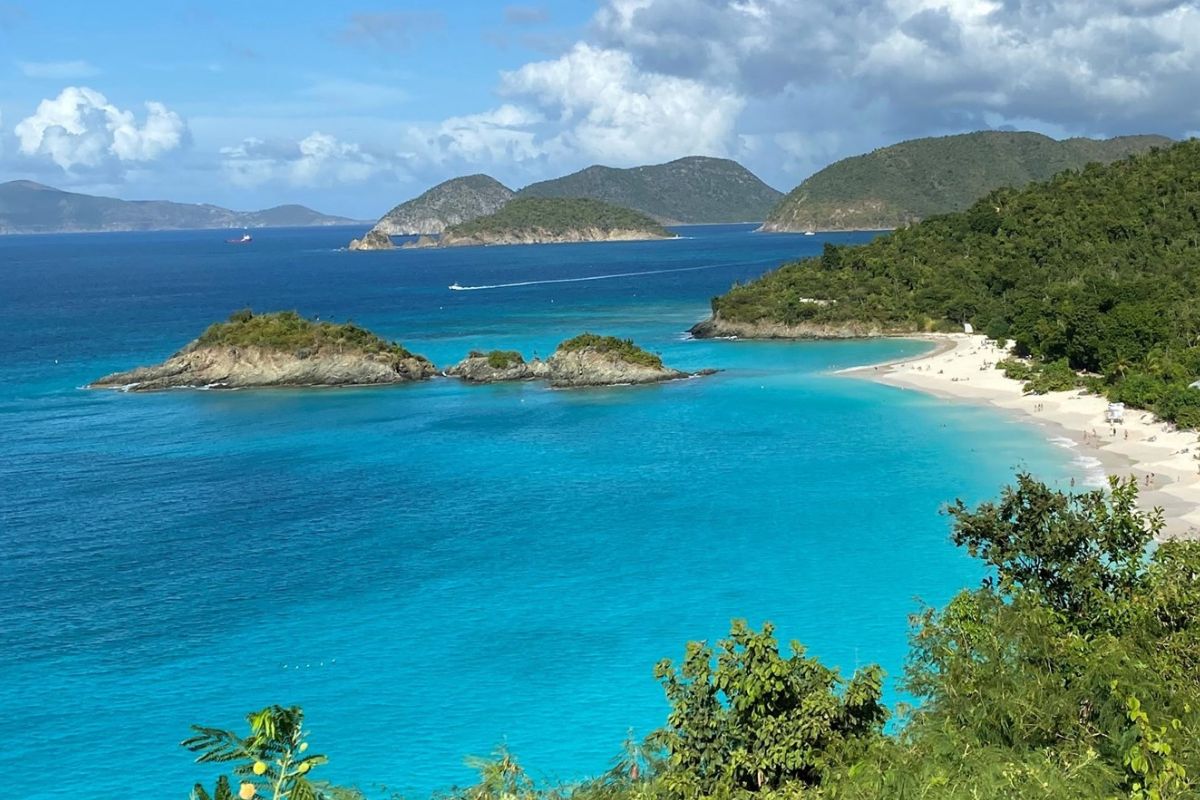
(455, 287)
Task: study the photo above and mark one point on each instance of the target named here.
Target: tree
(748, 718)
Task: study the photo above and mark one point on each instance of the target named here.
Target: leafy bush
(624, 349)
(556, 216)
(288, 331)
(503, 359)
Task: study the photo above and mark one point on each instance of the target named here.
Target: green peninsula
(1095, 271)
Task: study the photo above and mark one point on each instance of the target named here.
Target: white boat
(456, 287)
(810, 233)
(246, 238)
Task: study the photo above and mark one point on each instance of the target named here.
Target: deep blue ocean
(436, 569)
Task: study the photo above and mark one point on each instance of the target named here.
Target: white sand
(962, 367)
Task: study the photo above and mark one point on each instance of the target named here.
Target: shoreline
(1165, 461)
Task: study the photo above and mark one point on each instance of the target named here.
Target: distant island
(280, 349)
(548, 221)
(693, 190)
(585, 360)
(449, 203)
(906, 182)
(28, 207)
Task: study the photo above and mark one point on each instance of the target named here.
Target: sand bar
(1165, 461)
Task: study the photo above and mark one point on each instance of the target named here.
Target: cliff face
(228, 367)
(374, 239)
(717, 328)
(449, 203)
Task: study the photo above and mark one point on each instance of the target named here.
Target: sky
(351, 109)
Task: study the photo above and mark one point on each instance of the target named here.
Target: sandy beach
(1166, 462)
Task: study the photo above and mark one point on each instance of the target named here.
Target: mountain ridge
(915, 179)
(689, 190)
(30, 207)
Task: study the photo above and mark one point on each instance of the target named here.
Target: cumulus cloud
(319, 159)
(1084, 66)
(81, 129)
(606, 108)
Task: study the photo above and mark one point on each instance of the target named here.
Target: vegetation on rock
(555, 217)
(696, 189)
(1071, 673)
(449, 203)
(287, 330)
(913, 180)
(1098, 268)
(623, 349)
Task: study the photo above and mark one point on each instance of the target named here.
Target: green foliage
(895, 186)
(1095, 270)
(503, 359)
(555, 217)
(689, 190)
(750, 719)
(1080, 553)
(288, 331)
(1072, 673)
(624, 349)
(273, 759)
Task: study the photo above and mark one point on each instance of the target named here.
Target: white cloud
(319, 159)
(80, 128)
(609, 109)
(57, 70)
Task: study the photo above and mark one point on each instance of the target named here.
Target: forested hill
(688, 190)
(912, 180)
(28, 207)
(1099, 268)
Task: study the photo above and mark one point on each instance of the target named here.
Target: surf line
(458, 288)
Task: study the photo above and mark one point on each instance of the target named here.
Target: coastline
(1165, 461)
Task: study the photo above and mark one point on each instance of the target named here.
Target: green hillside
(553, 218)
(1098, 270)
(909, 181)
(689, 190)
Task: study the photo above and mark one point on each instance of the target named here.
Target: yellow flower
(303, 768)
(303, 746)
(260, 767)
(247, 791)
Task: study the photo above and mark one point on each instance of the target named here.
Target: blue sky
(351, 109)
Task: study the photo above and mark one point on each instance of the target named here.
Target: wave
(455, 287)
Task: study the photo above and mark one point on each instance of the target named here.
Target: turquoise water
(432, 570)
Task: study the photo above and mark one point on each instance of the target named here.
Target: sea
(437, 570)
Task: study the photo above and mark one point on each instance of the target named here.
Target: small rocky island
(586, 360)
(281, 349)
(373, 239)
(549, 220)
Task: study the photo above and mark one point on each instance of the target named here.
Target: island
(538, 220)
(585, 360)
(280, 349)
(373, 239)
(900, 184)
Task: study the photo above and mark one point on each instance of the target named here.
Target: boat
(810, 233)
(245, 238)
(456, 287)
